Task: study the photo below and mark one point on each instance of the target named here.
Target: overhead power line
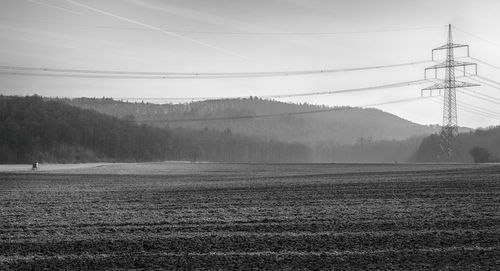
(476, 36)
(482, 79)
(41, 74)
(479, 109)
(281, 114)
(393, 85)
(108, 74)
(484, 95)
(473, 94)
(490, 113)
(467, 108)
(240, 33)
(489, 80)
(315, 93)
(474, 110)
(486, 63)
(484, 82)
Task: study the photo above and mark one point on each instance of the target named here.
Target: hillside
(487, 139)
(37, 129)
(344, 126)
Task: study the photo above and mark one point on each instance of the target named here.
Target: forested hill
(36, 129)
(344, 126)
(482, 144)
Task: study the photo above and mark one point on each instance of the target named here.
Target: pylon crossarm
(461, 84)
(445, 64)
(456, 84)
(435, 86)
(450, 46)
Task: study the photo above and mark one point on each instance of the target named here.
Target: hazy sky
(157, 35)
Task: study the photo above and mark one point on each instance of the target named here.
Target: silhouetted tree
(480, 155)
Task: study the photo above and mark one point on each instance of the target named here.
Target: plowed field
(358, 219)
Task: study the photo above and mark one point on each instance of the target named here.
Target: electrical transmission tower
(449, 129)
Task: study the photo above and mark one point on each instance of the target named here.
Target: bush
(480, 155)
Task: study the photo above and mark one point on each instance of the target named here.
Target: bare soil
(237, 216)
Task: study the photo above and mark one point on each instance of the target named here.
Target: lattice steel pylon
(449, 129)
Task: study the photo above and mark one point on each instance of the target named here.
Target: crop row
(450, 259)
(111, 231)
(211, 242)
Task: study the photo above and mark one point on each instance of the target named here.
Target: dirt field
(218, 216)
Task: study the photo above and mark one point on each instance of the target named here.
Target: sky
(200, 36)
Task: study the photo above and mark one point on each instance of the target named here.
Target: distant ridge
(338, 127)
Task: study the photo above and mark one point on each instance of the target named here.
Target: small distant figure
(35, 166)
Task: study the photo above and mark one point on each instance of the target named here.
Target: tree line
(36, 129)
(481, 145)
